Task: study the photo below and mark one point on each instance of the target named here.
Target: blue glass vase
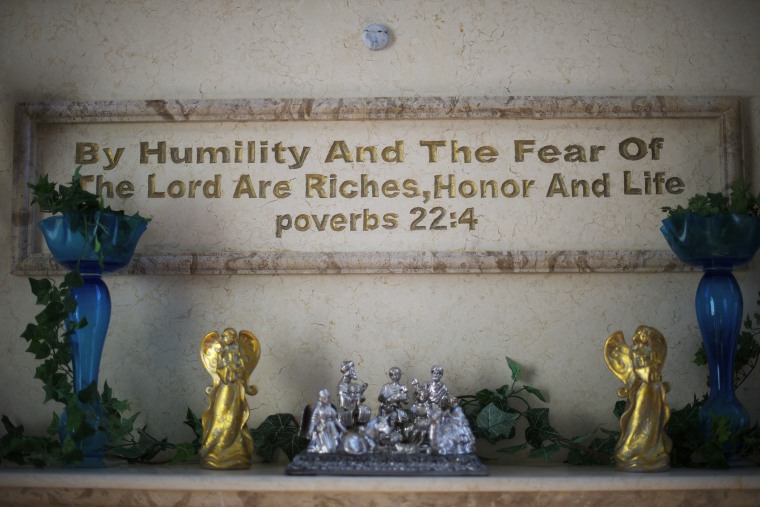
(72, 240)
(717, 244)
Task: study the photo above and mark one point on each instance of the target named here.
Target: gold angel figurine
(230, 360)
(643, 445)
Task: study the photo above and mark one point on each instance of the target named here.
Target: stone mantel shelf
(264, 486)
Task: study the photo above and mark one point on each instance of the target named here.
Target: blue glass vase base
(93, 446)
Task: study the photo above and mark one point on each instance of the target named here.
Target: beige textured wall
(553, 324)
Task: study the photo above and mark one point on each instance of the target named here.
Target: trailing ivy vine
(48, 340)
(495, 414)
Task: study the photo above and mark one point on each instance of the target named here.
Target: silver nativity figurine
(424, 431)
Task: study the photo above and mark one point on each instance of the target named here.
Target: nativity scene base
(386, 463)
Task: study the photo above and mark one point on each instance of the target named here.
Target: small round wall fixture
(375, 36)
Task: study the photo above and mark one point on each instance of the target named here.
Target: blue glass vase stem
(94, 304)
(719, 308)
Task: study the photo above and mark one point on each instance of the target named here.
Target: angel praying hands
(643, 445)
(229, 359)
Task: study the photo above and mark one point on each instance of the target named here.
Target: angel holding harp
(230, 360)
(643, 445)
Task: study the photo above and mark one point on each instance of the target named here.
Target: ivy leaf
(41, 288)
(46, 369)
(292, 444)
(683, 430)
(196, 425)
(19, 448)
(52, 316)
(57, 388)
(502, 403)
(503, 391)
(70, 453)
(89, 394)
(30, 333)
(150, 446)
(513, 448)
(44, 191)
(184, 452)
(539, 429)
(494, 423)
(700, 356)
(278, 431)
(264, 447)
(40, 349)
(582, 438)
(599, 452)
(619, 408)
(52, 428)
(535, 392)
(69, 306)
(112, 405)
(741, 198)
(545, 452)
(11, 429)
(485, 396)
(714, 450)
(77, 423)
(73, 278)
(514, 368)
(119, 428)
(746, 357)
(145, 449)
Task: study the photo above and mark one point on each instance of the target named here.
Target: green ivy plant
(690, 451)
(739, 200)
(494, 414)
(72, 198)
(48, 340)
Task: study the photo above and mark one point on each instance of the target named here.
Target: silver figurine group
(431, 422)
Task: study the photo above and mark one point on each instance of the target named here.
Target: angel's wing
(250, 350)
(211, 346)
(617, 354)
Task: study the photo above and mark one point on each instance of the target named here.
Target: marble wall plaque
(507, 184)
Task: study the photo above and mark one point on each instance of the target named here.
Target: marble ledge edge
(270, 478)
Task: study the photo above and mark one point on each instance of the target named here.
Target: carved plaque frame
(29, 258)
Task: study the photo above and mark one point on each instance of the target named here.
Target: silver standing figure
(353, 412)
(391, 396)
(325, 428)
(437, 392)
